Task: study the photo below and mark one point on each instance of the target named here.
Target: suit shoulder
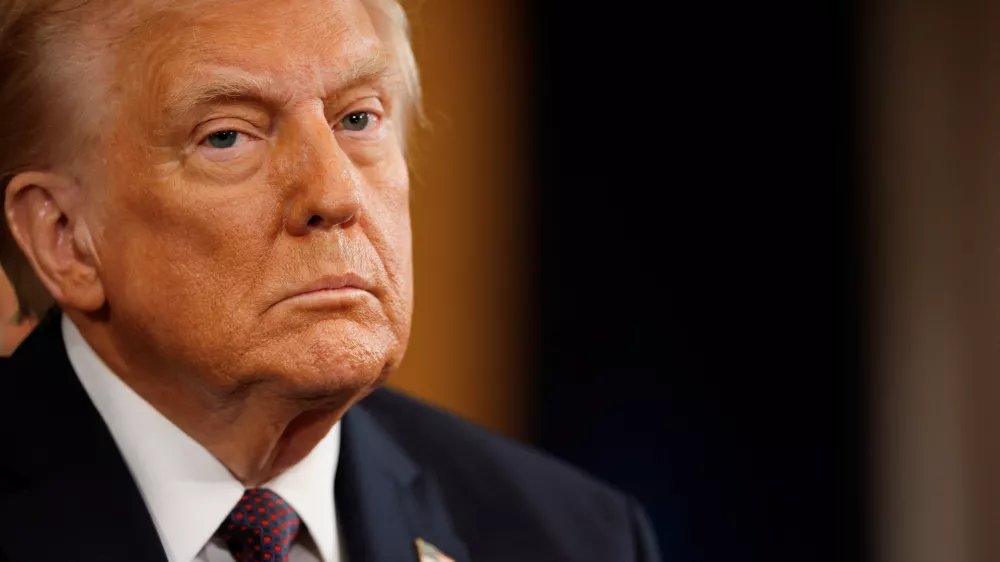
(507, 488)
(427, 432)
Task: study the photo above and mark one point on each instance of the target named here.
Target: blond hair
(29, 33)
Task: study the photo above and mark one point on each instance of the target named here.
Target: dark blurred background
(697, 268)
(638, 246)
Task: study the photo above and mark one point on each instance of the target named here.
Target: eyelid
(377, 116)
(369, 104)
(217, 125)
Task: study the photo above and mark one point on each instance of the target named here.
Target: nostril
(315, 220)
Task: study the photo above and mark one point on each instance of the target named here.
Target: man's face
(252, 220)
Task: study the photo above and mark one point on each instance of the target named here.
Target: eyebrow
(231, 83)
(222, 84)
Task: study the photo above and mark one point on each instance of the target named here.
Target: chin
(333, 357)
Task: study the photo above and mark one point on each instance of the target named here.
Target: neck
(257, 430)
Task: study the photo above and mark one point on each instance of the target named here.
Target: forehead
(305, 45)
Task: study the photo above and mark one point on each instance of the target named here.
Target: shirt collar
(187, 491)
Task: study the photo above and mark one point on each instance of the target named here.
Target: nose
(326, 187)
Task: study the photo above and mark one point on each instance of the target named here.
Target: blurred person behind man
(13, 327)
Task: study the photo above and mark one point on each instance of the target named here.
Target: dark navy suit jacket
(406, 471)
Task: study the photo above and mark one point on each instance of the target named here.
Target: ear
(44, 218)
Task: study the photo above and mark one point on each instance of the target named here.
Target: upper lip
(332, 282)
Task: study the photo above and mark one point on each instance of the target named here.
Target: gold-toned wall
(467, 351)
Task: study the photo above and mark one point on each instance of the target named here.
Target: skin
(250, 150)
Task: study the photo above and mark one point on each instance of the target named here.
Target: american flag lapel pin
(427, 552)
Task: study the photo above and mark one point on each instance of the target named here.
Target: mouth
(335, 291)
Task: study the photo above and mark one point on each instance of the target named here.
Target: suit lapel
(65, 491)
(384, 502)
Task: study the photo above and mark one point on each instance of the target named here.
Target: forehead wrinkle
(343, 61)
(369, 67)
(359, 56)
(223, 83)
(184, 68)
(232, 83)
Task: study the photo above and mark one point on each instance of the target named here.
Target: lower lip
(331, 298)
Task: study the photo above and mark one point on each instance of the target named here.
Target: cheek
(200, 256)
(398, 256)
(394, 248)
(391, 235)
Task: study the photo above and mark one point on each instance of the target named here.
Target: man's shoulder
(435, 437)
(519, 492)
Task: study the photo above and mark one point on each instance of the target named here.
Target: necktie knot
(261, 528)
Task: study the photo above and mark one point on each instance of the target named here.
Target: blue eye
(357, 121)
(223, 139)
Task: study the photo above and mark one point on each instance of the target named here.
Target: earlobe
(43, 216)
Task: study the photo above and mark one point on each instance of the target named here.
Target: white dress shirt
(188, 492)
